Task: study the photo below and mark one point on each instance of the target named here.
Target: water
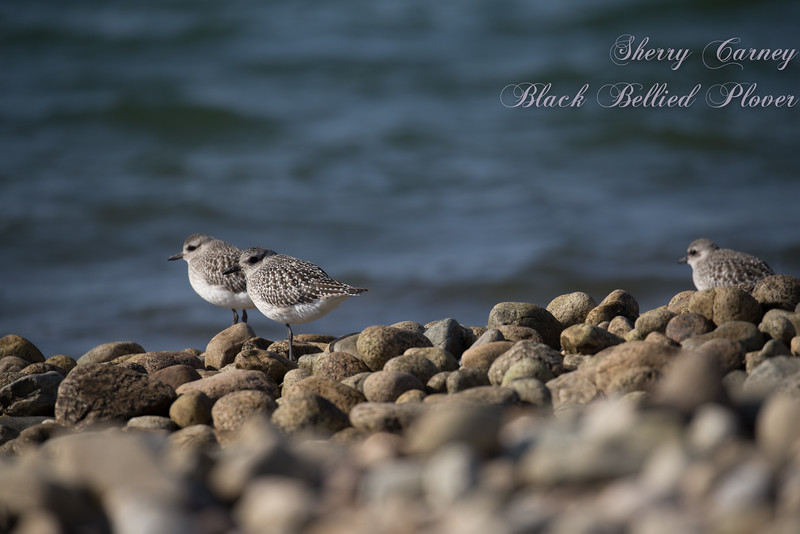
(370, 138)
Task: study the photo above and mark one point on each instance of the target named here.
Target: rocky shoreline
(576, 417)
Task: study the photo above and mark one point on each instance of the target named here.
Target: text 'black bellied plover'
(290, 290)
(714, 267)
(208, 258)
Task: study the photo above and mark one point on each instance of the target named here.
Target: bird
(714, 267)
(208, 257)
(290, 290)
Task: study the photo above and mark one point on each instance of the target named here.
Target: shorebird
(290, 290)
(208, 258)
(713, 266)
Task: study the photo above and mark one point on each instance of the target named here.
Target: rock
(498, 396)
(293, 377)
(658, 337)
(484, 355)
(654, 321)
(449, 424)
(632, 366)
(412, 395)
(465, 378)
(152, 423)
(619, 326)
(201, 437)
(12, 364)
(440, 358)
(97, 393)
(525, 349)
(411, 326)
(530, 315)
(740, 331)
(338, 366)
(726, 303)
(341, 395)
(414, 364)
(223, 348)
(66, 363)
(231, 411)
(191, 408)
(513, 332)
(618, 302)
(31, 395)
(794, 345)
(308, 361)
(571, 308)
(686, 325)
(490, 336)
(233, 380)
(693, 380)
(176, 375)
(528, 368)
(14, 345)
(155, 361)
(386, 385)
(728, 354)
(272, 364)
(356, 381)
(531, 391)
(447, 334)
(347, 344)
(777, 432)
(308, 413)
(775, 374)
(379, 344)
(679, 304)
(110, 351)
(385, 416)
(587, 339)
(41, 368)
(780, 324)
(779, 291)
(276, 506)
(438, 382)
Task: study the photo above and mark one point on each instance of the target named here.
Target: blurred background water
(370, 138)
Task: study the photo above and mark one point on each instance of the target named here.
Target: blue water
(370, 138)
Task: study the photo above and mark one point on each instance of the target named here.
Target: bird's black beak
(234, 269)
(177, 256)
(684, 259)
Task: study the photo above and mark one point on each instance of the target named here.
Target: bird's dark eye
(190, 248)
(252, 259)
(692, 252)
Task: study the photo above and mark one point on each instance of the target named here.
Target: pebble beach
(578, 416)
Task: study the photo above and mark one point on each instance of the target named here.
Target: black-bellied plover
(290, 290)
(208, 258)
(714, 267)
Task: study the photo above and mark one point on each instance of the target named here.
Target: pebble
(110, 351)
(781, 291)
(223, 348)
(641, 436)
(31, 394)
(587, 339)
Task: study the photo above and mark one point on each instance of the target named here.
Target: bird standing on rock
(290, 290)
(208, 258)
(714, 267)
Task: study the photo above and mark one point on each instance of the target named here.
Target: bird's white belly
(301, 313)
(220, 296)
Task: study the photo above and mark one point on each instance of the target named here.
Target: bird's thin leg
(291, 335)
(235, 316)
(244, 316)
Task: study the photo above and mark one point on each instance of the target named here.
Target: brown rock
(386, 386)
(742, 332)
(484, 355)
(308, 413)
(780, 324)
(466, 378)
(724, 304)
(177, 375)
(223, 348)
(414, 364)
(342, 396)
(728, 354)
(619, 326)
(498, 396)
(338, 366)
(690, 382)
(231, 411)
(191, 408)
(440, 358)
(513, 332)
(438, 382)
(110, 351)
(587, 339)
(780, 291)
(348, 344)
(220, 384)
(14, 345)
(155, 361)
(272, 364)
(571, 308)
(680, 302)
(686, 325)
(618, 302)
(96, 393)
(632, 366)
(654, 321)
(385, 416)
(379, 344)
(530, 315)
(525, 349)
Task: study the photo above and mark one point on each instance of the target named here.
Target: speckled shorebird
(713, 266)
(208, 258)
(290, 290)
